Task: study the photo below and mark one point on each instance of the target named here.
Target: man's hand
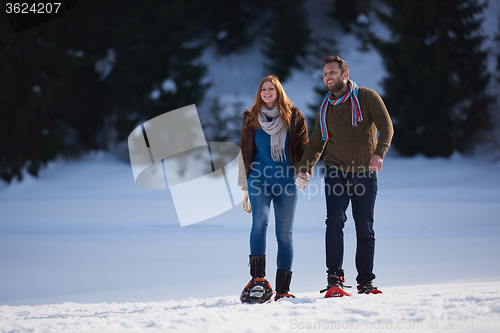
(376, 163)
(302, 180)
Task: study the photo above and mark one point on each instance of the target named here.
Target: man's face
(333, 78)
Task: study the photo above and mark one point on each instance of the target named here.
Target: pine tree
(49, 98)
(53, 99)
(320, 48)
(435, 89)
(496, 115)
(497, 42)
(288, 36)
(229, 23)
(221, 122)
(157, 52)
(347, 12)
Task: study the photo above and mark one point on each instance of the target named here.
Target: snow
(222, 34)
(169, 86)
(435, 308)
(83, 248)
(362, 19)
(105, 65)
(155, 94)
(37, 90)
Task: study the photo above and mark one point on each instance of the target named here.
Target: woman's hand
(245, 203)
(302, 180)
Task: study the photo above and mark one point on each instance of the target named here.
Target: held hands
(245, 203)
(376, 163)
(302, 180)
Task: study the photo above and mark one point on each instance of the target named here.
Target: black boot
(258, 290)
(335, 286)
(258, 266)
(335, 281)
(366, 287)
(283, 279)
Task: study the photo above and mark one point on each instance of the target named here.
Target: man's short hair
(342, 64)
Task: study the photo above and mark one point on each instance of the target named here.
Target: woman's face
(268, 94)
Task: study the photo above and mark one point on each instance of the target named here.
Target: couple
(277, 160)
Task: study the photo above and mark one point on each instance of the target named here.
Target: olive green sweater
(350, 148)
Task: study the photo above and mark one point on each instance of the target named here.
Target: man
(348, 120)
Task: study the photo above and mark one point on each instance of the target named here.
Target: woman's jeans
(361, 190)
(284, 195)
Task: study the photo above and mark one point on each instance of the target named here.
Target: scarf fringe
(277, 154)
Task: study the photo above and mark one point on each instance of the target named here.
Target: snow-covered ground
(110, 256)
(82, 248)
(436, 308)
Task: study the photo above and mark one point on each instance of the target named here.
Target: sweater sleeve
(383, 123)
(242, 177)
(313, 150)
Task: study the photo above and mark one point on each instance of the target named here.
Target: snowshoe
(368, 288)
(335, 286)
(336, 292)
(280, 296)
(258, 290)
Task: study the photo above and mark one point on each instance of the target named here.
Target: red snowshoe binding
(335, 286)
(368, 288)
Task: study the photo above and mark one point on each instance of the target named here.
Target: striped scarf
(352, 93)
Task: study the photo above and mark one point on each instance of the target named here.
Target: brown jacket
(298, 137)
(350, 148)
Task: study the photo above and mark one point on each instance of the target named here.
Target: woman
(273, 139)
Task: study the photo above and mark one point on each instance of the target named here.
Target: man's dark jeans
(361, 190)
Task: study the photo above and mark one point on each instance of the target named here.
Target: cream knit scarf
(276, 130)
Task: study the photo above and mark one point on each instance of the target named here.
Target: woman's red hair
(282, 102)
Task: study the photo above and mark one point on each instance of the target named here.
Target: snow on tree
(437, 77)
